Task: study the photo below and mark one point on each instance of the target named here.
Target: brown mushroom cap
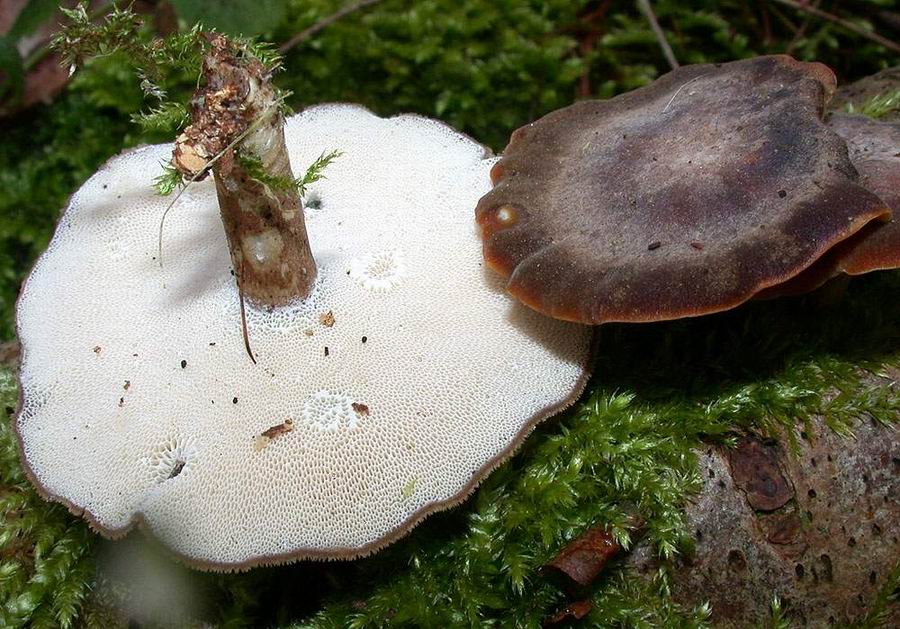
(875, 152)
(681, 198)
(874, 149)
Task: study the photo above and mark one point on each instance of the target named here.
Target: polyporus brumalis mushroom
(402, 378)
(874, 149)
(682, 198)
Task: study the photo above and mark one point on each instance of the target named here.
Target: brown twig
(325, 23)
(800, 32)
(766, 24)
(850, 26)
(244, 331)
(593, 22)
(647, 10)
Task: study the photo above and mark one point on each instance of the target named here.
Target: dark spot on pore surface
(326, 350)
(179, 465)
(851, 542)
(811, 493)
(654, 245)
(365, 338)
(183, 364)
(360, 408)
(234, 400)
(782, 193)
(799, 570)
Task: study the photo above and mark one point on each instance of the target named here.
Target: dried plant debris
(728, 167)
(572, 611)
(327, 319)
(271, 433)
(820, 529)
(582, 559)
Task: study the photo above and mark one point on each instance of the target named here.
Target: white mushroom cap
(140, 403)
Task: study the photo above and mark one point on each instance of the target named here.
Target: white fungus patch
(170, 458)
(330, 411)
(447, 372)
(379, 272)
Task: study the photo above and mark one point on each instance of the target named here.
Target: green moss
(879, 106)
(45, 555)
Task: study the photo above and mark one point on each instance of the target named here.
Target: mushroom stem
(260, 209)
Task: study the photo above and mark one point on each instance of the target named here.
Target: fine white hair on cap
(405, 377)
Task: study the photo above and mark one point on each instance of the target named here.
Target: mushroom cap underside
(681, 198)
(404, 378)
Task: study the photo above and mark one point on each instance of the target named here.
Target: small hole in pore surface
(169, 459)
(176, 469)
(379, 272)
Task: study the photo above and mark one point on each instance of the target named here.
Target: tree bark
(818, 530)
(235, 112)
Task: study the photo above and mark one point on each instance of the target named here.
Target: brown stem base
(236, 114)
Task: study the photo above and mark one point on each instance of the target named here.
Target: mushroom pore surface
(403, 379)
(681, 198)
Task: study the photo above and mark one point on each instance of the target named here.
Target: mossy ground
(659, 391)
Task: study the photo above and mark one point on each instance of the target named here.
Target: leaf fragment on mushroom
(327, 319)
(263, 440)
